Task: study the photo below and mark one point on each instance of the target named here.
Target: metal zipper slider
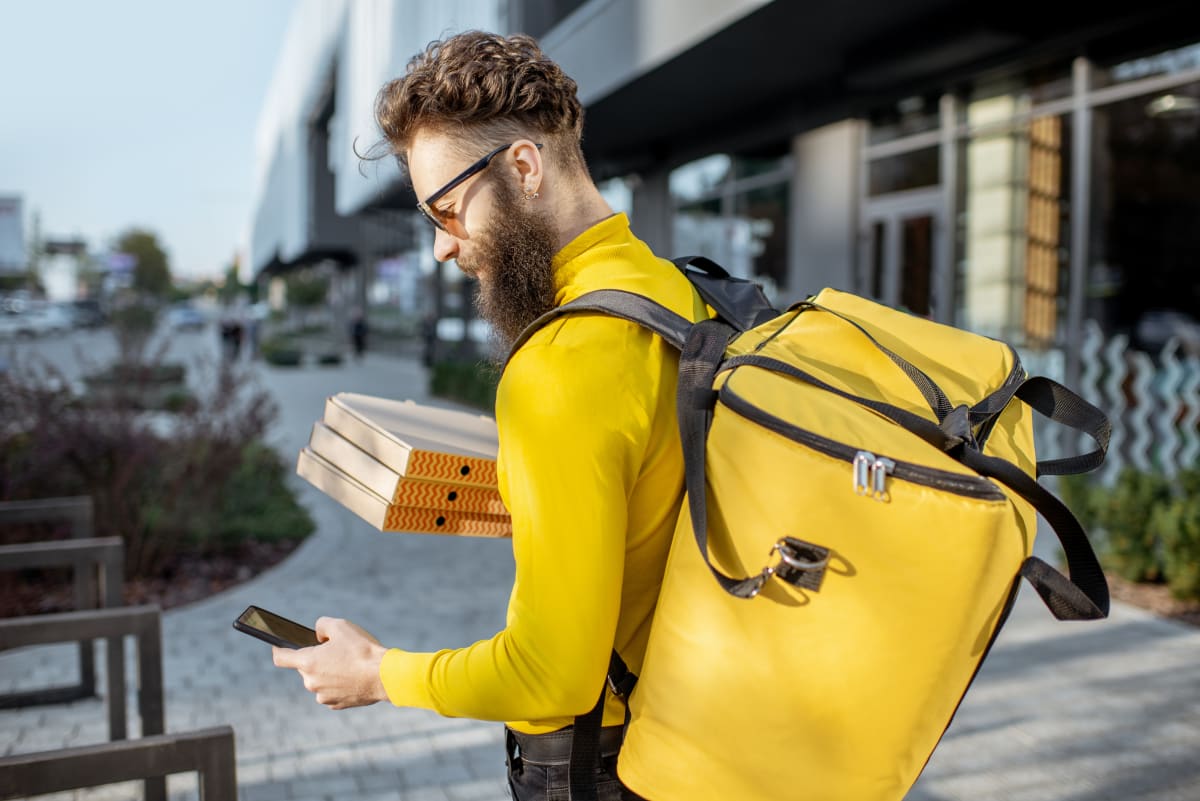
(879, 474)
(863, 462)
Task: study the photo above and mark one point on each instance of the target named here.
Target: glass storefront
(1013, 202)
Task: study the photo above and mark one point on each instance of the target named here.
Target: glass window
(912, 115)
(538, 17)
(913, 170)
(760, 234)
(750, 166)
(1144, 243)
(701, 177)
(721, 213)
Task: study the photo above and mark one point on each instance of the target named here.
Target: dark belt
(554, 748)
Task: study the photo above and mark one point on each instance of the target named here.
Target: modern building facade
(1015, 169)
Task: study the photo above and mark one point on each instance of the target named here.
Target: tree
(233, 286)
(307, 290)
(151, 272)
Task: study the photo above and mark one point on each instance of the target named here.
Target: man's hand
(343, 671)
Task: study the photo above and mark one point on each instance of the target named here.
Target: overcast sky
(120, 113)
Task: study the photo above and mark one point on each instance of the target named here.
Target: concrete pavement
(1069, 712)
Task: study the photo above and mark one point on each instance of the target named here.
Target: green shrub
(1080, 496)
(281, 352)
(472, 383)
(1130, 547)
(203, 483)
(329, 358)
(256, 504)
(1177, 526)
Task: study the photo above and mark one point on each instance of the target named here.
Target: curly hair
(496, 88)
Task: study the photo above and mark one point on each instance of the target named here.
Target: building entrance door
(900, 259)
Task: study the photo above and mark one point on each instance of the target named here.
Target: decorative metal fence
(1153, 401)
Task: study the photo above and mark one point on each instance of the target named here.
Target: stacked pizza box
(405, 466)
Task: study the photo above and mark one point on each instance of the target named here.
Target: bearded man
(590, 466)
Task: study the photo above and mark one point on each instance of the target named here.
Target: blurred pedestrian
(358, 333)
(231, 336)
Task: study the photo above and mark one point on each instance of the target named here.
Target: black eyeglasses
(426, 205)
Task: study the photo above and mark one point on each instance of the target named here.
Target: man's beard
(516, 251)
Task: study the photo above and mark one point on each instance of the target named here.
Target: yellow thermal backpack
(861, 506)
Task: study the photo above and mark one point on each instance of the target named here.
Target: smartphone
(270, 627)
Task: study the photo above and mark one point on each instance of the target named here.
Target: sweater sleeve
(573, 425)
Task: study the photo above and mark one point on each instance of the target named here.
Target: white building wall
(381, 37)
(367, 42)
(280, 222)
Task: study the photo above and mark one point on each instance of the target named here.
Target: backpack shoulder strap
(737, 301)
(617, 303)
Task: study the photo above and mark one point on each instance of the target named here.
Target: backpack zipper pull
(879, 474)
(863, 463)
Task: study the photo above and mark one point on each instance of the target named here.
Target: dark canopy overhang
(791, 66)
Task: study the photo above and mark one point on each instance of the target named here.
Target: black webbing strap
(585, 737)
(1083, 593)
(585, 753)
(1061, 405)
(694, 401)
(985, 414)
(616, 303)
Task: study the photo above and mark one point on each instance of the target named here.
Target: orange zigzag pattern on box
(449, 467)
(426, 521)
(453, 497)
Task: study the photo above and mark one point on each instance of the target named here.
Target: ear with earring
(532, 195)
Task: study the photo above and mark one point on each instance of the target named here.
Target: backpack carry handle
(1061, 405)
(738, 301)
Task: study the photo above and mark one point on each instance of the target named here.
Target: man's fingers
(283, 657)
(289, 657)
(324, 627)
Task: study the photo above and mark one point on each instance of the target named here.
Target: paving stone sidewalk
(1060, 712)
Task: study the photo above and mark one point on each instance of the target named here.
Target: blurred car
(15, 325)
(50, 319)
(33, 321)
(186, 318)
(87, 314)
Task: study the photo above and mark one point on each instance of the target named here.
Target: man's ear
(527, 161)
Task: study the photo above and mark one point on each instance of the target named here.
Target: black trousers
(538, 766)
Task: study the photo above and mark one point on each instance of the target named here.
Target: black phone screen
(274, 629)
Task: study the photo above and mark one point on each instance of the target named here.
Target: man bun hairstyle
(487, 90)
